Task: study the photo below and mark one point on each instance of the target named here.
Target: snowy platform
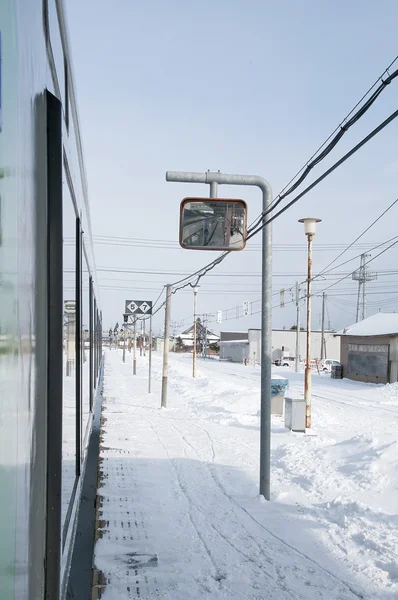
(179, 513)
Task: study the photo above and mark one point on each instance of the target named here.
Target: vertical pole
(323, 327)
(205, 337)
(144, 338)
(194, 335)
(297, 360)
(266, 350)
(307, 377)
(166, 346)
(141, 340)
(213, 189)
(134, 347)
(150, 354)
(364, 288)
(359, 288)
(124, 343)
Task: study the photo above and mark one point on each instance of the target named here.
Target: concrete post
(166, 337)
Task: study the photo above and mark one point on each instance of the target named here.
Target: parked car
(285, 361)
(326, 364)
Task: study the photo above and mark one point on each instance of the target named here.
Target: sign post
(150, 354)
(134, 308)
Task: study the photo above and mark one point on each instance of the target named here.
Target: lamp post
(195, 292)
(309, 230)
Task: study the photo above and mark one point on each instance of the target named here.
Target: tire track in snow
(251, 559)
(365, 407)
(220, 486)
(218, 575)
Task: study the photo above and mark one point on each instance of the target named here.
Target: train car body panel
(42, 330)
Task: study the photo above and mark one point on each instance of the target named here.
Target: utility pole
(214, 179)
(323, 327)
(362, 275)
(134, 347)
(165, 373)
(297, 359)
(195, 292)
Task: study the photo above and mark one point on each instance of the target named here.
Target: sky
(250, 88)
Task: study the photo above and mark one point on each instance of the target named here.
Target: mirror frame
(213, 248)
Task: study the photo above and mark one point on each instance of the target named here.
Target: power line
(359, 237)
(337, 134)
(365, 264)
(364, 141)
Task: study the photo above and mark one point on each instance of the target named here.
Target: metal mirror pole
(218, 178)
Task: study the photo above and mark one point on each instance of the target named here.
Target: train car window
(69, 437)
(85, 344)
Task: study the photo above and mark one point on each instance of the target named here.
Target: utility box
(337, 372)
(295, 414)
(279, 386)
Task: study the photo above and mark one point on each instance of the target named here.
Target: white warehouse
(238, 346)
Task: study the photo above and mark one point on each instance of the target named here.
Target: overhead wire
(188, 281)
(353, 150)
(335, 137)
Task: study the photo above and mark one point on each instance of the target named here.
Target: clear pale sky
(248, 87)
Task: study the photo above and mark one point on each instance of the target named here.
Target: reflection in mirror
(213, 224)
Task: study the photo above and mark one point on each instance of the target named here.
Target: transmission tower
(362, 275)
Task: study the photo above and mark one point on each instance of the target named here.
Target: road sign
(282, 298)
(138, 307)
(245, 309)
(219, 316)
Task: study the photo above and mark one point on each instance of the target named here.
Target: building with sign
(369, 349)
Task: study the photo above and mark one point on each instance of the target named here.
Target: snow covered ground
(181, 514)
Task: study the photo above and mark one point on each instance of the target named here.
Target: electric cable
(338, 133)
(364, 141)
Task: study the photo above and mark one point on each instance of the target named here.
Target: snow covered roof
(225, 342)
(378, 324)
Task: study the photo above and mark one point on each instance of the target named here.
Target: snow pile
(181, 516)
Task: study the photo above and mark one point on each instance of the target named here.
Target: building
(183, 342)
(238, 346)
(369, 349)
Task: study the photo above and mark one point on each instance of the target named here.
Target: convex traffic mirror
(213, 224)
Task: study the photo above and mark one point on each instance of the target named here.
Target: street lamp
(309, 230)
(195, 292)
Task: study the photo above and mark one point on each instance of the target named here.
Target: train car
(50, 321)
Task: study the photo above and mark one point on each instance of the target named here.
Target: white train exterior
(50, 322)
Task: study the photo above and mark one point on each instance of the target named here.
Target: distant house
(369, 349)
(183, 341)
